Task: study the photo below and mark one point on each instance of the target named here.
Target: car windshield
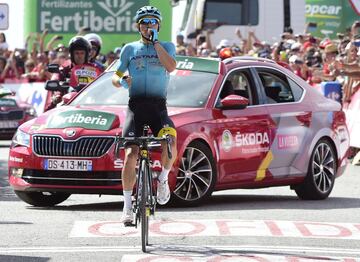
(186, 89)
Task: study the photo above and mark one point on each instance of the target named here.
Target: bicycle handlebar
(141, 140)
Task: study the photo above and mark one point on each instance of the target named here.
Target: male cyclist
(148, 63)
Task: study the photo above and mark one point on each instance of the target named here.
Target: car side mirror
(69, 96)
(234, 102)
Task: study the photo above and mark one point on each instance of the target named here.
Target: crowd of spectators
(313, 59)
(29, 64)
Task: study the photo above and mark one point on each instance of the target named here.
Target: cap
(223, 43)
(330, 48)
(324, 43)
(295, 46)
(295, 58)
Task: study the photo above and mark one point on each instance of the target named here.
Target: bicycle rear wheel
(144, 206)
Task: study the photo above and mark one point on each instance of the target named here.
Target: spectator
(110, 57)
(8, 68)
(180, 45)
(3, 44)
(298, 66)
(330, 53)
(349, 70)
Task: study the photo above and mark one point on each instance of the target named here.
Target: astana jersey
(149, 76)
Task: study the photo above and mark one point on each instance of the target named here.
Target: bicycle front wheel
(144, 206)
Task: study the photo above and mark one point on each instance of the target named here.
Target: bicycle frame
(145, 197)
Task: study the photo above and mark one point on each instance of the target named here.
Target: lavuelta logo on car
(82, 118)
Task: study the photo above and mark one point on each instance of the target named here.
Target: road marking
(221, 227)
(230, 257)
(188, 249)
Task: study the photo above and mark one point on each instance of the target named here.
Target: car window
(277, 87)
(296, 89)
(186, 89)
(238, 82)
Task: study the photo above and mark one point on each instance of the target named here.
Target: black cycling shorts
(146, 111)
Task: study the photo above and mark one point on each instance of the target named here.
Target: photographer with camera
(79, 73)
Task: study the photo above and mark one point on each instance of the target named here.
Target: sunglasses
(149, 21)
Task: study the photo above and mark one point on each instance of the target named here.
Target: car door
(290, 119)
(242, 135)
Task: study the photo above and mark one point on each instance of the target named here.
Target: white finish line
(206, 253)
(221, 227)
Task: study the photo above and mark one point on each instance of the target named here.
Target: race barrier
(331, 89)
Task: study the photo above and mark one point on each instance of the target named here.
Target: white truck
(267, 18)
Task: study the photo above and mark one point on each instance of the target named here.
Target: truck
(267, 18)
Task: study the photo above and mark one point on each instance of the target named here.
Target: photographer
(79, 73)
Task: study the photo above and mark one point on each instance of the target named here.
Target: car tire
(196, 178)
(42, 199)
(320, 178)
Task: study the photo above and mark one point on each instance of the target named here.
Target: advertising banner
(111, 19)
(330, 17)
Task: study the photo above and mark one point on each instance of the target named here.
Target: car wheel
(320, 178)
(196, 178)
(42, 199)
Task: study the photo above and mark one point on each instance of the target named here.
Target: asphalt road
(236, 225)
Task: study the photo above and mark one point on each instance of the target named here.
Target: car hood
(94, 119)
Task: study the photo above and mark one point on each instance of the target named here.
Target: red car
(241, 123)
(13, 113)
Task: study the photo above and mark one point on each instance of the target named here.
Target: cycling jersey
(149, 77)
(82, 75)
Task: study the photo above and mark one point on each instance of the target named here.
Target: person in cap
(329, 57)
(148, 63)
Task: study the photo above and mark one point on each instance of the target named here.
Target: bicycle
(145, 195)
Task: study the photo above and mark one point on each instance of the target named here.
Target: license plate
(9, 124)
(67, 164)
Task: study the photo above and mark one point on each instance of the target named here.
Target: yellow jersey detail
(144, 153)
(261, 172)
(167, 131)
(119, 73)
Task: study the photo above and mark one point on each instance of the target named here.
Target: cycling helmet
(147, 11)
(95, 40)
(79, 43)
(225, 53)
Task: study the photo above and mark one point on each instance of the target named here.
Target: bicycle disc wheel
(144, 208)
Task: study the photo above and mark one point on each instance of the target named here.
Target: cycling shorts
(149, 111)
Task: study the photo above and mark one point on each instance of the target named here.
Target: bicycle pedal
(129, 224)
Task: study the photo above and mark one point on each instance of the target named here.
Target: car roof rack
(248, 58)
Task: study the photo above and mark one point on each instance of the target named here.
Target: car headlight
(30, 111)
(21, 138)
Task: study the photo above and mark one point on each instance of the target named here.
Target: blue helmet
(147, 11)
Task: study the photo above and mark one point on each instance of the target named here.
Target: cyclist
(78, 69)
(96, 43)
(148, 63)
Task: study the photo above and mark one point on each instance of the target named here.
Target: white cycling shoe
(163, 192)
(127, 216)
